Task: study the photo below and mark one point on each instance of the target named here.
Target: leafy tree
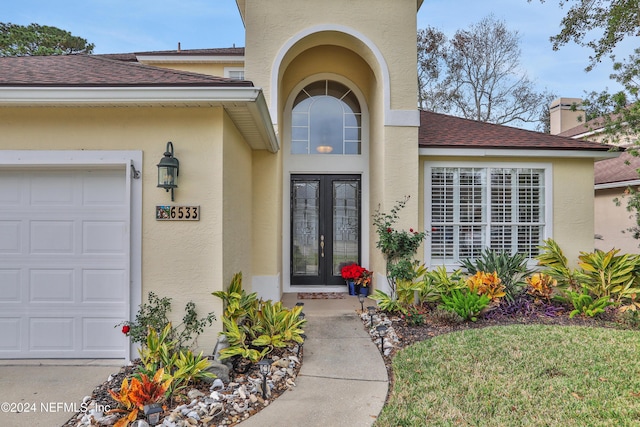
(35, 39)
(598, 24)
(601, 25)
(477, 74)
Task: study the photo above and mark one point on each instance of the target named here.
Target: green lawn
(520, 375)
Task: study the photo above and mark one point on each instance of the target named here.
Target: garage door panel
(10, 237)
(102, 188)
(52, 237)
(10, 334)
(100, 237)
(51, 334)
(104, 286)
(10, 188)
(100, 335)
(10, 285)
(52, 188)
(51, 285)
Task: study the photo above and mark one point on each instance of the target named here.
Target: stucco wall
(237, 205)
(181, 260)
(612, 222)
(209, 69)
(572, 186)
(391, 26)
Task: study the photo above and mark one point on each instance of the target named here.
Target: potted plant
(357, 277)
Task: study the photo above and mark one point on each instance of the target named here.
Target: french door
(325, 227)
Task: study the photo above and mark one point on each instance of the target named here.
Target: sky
(121, 26)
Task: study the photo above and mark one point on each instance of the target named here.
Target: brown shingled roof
(620, 169)
(95, 70)
(440, 130)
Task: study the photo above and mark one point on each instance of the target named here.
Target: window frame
(547, 212)
(303, 121)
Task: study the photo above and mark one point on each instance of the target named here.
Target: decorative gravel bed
(205, 404)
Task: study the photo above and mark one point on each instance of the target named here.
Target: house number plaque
(178, 213)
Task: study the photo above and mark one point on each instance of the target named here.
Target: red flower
(125, 329)
(411, 230)
(389, 230)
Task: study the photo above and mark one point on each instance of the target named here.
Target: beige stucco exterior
(183, 260)
(612, 222)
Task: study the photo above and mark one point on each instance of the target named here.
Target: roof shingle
(97, 71)
(440, 130)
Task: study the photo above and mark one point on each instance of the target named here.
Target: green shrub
(584, 304)
(154, 314)
(254, 327)
(439, 282)
(466, 304)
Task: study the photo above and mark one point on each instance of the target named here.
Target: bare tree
(477, 75)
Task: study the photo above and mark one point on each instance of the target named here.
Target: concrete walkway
(48, 392)
(343, 380)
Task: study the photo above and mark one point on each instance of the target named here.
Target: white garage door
(64, 263)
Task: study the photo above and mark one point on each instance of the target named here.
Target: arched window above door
(326, 119)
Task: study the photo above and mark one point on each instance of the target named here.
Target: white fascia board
(189, 59)
(260, 113)
(111, 96)
(620, 184)
(499, 152)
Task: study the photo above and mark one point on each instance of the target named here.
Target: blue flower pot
(364, 290)
(352, 287)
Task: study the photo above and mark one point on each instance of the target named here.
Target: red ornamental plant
(360, 275)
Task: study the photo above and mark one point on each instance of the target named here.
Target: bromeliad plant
(467, 304)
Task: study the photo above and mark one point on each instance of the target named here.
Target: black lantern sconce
(168, 170)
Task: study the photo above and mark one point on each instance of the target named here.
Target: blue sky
(117, 26)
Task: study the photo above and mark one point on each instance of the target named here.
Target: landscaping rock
(220, 370)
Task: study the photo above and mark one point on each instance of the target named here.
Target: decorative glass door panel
(325, 227)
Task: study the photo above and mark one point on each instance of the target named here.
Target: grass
(519, 375)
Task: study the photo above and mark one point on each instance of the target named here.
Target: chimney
(563, 115)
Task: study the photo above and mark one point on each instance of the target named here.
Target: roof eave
(511, 152)
(239, 102)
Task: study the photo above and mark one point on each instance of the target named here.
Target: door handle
(322, 245)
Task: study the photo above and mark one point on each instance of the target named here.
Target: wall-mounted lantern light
(168, 170)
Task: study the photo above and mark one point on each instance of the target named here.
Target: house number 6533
(178, 213)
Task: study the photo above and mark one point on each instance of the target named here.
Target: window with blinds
(471, 208)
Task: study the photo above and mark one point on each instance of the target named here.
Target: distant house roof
(621, 170)
(221, 51)
(98, 70)
(440, 130)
